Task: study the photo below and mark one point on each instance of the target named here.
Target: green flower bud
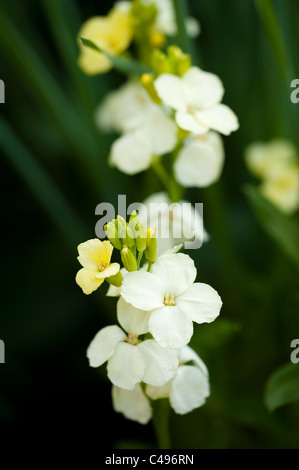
(128, 259)
(141, 237)
(178, 60)
(115, 280)
(151, 245)
(111, 230)
(125, 233)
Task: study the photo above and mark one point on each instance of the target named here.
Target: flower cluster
(276, 164)
(147, 355)
(168, 117)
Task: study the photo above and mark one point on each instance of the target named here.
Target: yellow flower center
(102, 266)
(169, 300)
(132, 339)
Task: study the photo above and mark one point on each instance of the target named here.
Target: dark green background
(55, 172)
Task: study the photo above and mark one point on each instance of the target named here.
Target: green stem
(149, 266)
(182, 39)
(161, 423)
(140, 254)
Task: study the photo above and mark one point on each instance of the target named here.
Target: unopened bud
(115, 280)
(125, 233)
(151, 245)
(141, 237)
(128, 259)
(111, 230)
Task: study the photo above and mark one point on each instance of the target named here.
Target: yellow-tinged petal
(112, 34)
(95, 253)
(112, 270)
(87, 280)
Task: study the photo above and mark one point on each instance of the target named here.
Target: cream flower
(176, 223)
(187, 390)
(152, 134)
(95, 256)
(175, 301)
(196, 99)
(112, 34)
(282, 189)
(119, 107)
(200, 162)
(131, 361)
(265, 159)
(133, 404)
(190, 386)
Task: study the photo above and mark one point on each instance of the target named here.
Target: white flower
(282, 189)
(190, 386)
(196, 99)
(186, 391)
(200, 162)
(267, 159)
(152, 134)
(131, 361)
(122, 105)
(175, 223)
(166, 19)
(169, 292)
(133, 404)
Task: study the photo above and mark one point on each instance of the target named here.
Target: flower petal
(170, 327)
(160, 364)
(110, 271)
(187, 354)
(200, 302)
(93, 252)
(126, 366)
(190, 388)
(171, 91)
(133, 404)
(203, 89)
(132, 320)
(159, 392)
(176, 271)
(132, 153)
(103, 345)
(186, 120)
(161, 130)
(220, 118)
(87, 280)
(200, 163)
(143, 290)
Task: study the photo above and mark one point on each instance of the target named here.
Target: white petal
(162, 131)
(132, 153)
(200, 163)
(200, 302)
(220, 118)
(190, 388)
(170, 327)
(203, 89)
(132, 320)
(126, 366)
(176, 271)
(159, 392)
(160, 364)
(171, 91)
(186, 120)
(103, 345)
(143, 290)
(133, 404)
(187, 354)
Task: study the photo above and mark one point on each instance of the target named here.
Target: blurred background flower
(54, 174)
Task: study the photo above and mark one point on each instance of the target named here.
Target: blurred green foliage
(54, 174)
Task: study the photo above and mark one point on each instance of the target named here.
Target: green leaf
(122, 64)
(283, 230)
(282, 387)
(215, 334)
